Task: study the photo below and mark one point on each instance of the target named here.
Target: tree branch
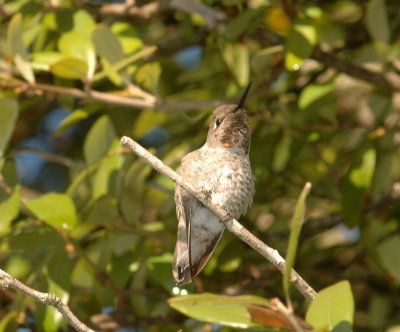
(109, 98)
(7, 281)
(210, 15)
(351, 69)
(231, 224)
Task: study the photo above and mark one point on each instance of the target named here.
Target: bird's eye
(217, 123)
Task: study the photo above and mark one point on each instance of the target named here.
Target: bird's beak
(243, 98)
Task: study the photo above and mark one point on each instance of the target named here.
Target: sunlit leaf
(99, 139)
(148, 75)
(128, 36)
(70, 68)
(277, 20)
(83, 22)
(17, 48)
(8, 118)
(377, 21)
(19, 266)
(313, 95)
(75, 117)
(78, 45)
(55, 209)
(43, 60)
(333, 307)
(295, 228)
(300, 43)
(388, 252)
(361, 176)
(9, 210)
(219, 309)
(236, 56)
(57, 282)
(112, 70)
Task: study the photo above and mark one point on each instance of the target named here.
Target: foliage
(88, 221)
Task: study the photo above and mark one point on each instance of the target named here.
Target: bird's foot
(226, 218)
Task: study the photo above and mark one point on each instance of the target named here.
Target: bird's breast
(224, 176)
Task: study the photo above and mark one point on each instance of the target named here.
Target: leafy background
(85, 219)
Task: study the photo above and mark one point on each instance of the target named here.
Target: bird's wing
(199, 231)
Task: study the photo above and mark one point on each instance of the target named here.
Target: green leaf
(104, 180)
(43, 60)
(123, 242)
(225, 310)
(132, 191)
(57, 282)
(82, 275)
(55, 209)
(102, 211)
(76, 116)
(282, 153)
(383, 173)
(9, 322)
(352, 202)
(160, 270)
(107, 44)
(242, 23)
(19, 266)
(361, 176)
(148, 75)
(128, 36)
(236, 56)
(79, 46)
(300, 43)
(17, 48)
(388, 252)
(98, 140)
(123, 63)
(121, 266)
(333, 308)
(147, 119)
(32, 241)
(70, 68)
(8, 118)
(295, 228)
(9, 210)
(314, 95)
(83, 22)
(377, 21)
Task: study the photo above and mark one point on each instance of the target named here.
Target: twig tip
(124, 140)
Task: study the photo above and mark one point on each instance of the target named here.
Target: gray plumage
(221, 170)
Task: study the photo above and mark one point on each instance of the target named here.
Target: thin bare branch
(109, 98)
(7, 281)
(143, 12)
(231, 224)
(351, 69)
(210, 15)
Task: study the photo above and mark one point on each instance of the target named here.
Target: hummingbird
(220, 170)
